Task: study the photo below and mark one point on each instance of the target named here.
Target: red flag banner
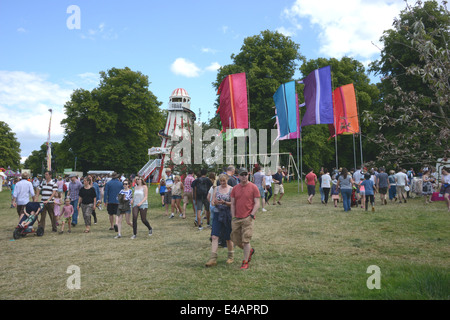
(233, 102)
(345, 111)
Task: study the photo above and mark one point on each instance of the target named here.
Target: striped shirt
(47, 188)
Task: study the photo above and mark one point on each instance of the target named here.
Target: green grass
(302, 252)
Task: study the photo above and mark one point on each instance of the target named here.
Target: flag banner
(318, 97)
(291, 135)
(345, 111)
(286, 108)
(233, 102)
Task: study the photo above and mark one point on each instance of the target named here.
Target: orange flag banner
(345, 111)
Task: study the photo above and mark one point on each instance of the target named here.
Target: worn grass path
(302, 252)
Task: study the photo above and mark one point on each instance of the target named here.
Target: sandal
(87, 231)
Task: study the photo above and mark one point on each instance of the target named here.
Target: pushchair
(25, 225)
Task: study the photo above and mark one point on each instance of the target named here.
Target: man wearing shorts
(22, 193)
(111, 199)
(278, 185)
(201, 189)
(311, 180)
(244, 204)
(382, 184)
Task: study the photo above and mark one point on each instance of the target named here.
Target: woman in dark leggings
(140, 206)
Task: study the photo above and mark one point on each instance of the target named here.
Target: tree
(414, 125)
(112, 126)
(9, 147)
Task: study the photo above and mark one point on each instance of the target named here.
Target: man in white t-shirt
(401, 180)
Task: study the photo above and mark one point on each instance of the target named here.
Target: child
(66, 215)
(31, 211)
(362, 191)
(162, 190)
(177, 190)
(369, 191)
(335, 192)
(125, 196)
(57, 208)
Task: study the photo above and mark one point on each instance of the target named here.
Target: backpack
(202, 187)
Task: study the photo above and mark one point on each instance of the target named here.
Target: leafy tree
(413, 122)
(9, 147)
(112, 126)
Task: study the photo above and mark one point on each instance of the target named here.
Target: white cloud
(347, 28)
(90, 78)
(213, 66)
(21, 30)
(288, 32)
(25, 99)
(209, 50)
(102, 32)
(186, 68)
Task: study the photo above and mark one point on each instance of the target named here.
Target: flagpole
(248, 131)
(354, 151)
(359, 121)
(49, 150)
(335, 122)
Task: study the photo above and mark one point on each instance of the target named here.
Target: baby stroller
(354, 201)
(25, 225)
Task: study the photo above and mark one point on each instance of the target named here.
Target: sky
(49, 48)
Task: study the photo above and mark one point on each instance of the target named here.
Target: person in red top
(311, 180)
(244, 204)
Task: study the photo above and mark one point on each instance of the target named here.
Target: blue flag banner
(318, 97)
(286, 106)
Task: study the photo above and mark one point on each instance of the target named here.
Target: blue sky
(177, 44)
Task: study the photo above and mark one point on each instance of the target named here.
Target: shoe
(111, 228)
(230, 259)
(133, 236)
(118, 236)
(116, 229)
(171, 216)
(150, 232)
(244, 265)
(264, 209)
(251, 254)
(212, 262)
(373, 209)
(200, 228)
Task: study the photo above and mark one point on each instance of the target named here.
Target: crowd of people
(359, 187)
(228, 202)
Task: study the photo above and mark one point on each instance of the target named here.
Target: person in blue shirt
(111, 200)
(369, 189)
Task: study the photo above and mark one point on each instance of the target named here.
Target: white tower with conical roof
(179, 120)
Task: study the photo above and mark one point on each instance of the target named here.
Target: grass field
(302, 252)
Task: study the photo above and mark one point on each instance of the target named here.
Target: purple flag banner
(318, 97)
